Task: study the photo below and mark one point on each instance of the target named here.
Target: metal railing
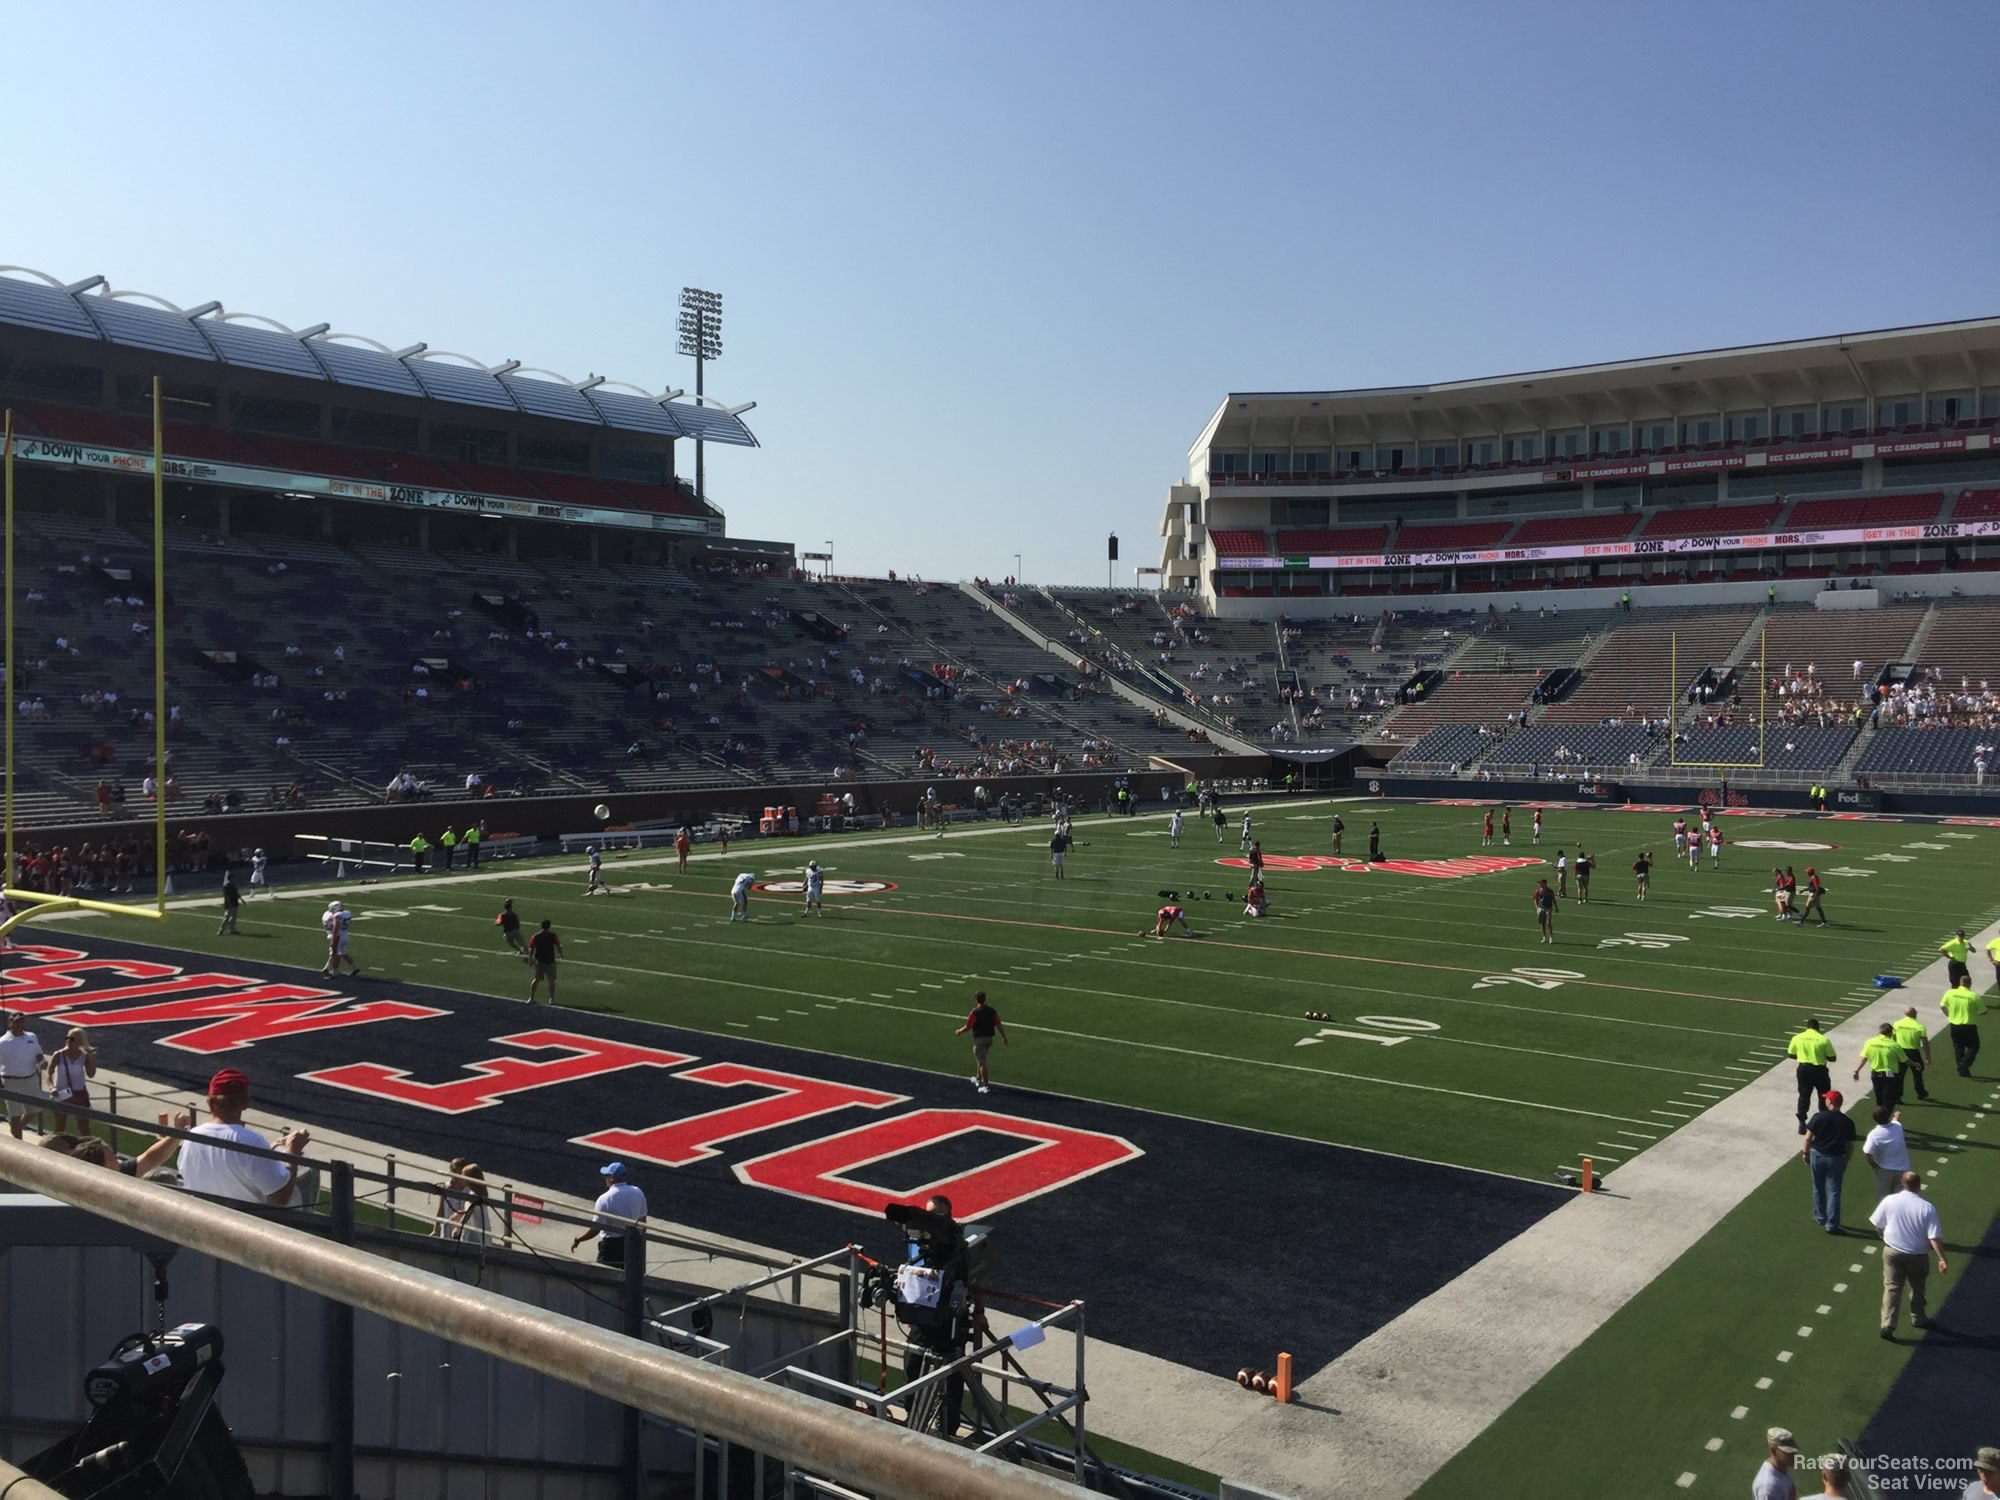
(801, 1433)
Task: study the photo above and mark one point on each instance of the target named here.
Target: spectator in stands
(68, 1073)
(21, 1065)
(220, 1172)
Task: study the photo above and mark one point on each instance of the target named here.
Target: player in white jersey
(1174, 830)
(1562, 874)
(1538, 825)
(1680, 837)
(1694, 851)
(815, 889)
(1715, 847)
(597, 887)
(1247, 841)
(739, 896)
(334, 922)
(257, 880)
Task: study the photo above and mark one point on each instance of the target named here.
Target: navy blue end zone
(1213, 1248)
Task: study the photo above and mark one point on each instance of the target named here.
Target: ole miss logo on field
(1430, 869)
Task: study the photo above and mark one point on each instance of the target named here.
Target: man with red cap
(1828, 1143)
(221, 1172)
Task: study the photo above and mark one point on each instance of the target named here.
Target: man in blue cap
(619, 1205)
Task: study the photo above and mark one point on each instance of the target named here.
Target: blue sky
(988, 269)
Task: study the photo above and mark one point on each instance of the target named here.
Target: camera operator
(933, 1297)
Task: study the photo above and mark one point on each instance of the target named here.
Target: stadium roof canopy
(92, 309)
(1909, 359)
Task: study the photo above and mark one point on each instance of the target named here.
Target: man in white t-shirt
(21, 1059)
(1887, 1152)
(1909, 1224)
(618, 1206)
(220, 1172)
(739, 896)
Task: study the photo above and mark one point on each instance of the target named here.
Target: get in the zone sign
(1432, 869)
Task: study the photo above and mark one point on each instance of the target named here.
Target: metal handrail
(424, 1184)
(15, 1485)
(816, 1435)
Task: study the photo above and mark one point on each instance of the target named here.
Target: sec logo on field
(830, 887)
(1794, 846)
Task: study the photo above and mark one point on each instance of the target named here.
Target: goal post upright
(29, 904)
(159, 656)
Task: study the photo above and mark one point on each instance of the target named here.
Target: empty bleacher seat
(1864, 510)
(1557, 531)
(1240, 543)
(1337, 541)
(1718, 520)
(1451, 536)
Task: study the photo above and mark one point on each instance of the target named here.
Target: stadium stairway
(1055, 610)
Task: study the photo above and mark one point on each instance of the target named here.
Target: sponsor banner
(1856, 799)
(798, 1149)
(197, 471)
(1673, 546)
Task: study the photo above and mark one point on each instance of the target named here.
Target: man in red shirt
(1167, 917)
(681, 848)
(983, 1021)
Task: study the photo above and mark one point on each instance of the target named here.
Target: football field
(1453, 1034)
(1391, 1057)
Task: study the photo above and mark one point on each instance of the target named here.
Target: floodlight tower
(701, 341)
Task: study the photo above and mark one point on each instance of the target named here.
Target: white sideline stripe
(1513, 1317)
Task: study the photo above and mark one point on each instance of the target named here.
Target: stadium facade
(1742, 470)
(315, 421)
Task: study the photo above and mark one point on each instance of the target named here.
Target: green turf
(1454, 1035)
(1637, 1405)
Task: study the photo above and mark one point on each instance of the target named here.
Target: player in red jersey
(1486, 834)
(1167, 917)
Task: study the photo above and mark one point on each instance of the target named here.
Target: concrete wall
(545, 817)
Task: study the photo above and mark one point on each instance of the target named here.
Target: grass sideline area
(1452, 1034)
(1767, 1322)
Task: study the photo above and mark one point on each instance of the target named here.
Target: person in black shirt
(509, 923)
(1374, 843)
(1339, 828)
(232, 901)
(1642, 867)
(1584, 865)
(544, 949)
(1828, 1143)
